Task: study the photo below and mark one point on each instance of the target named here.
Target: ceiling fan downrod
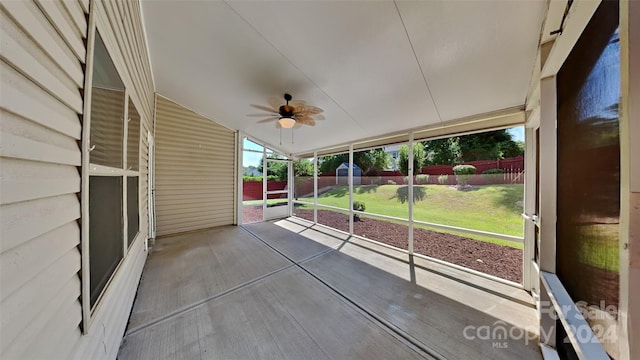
(286, 110)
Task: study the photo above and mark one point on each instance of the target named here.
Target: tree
(379, 160)
(442, 151)
(418, 158)
(302, 168)
(368, 161)
(512, 148)
(277, 169)
(329, 164)
(488, 145)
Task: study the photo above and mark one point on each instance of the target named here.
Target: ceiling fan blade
(313, 109)
(297, 103)
(273, 118)
(265, 108)
(275, 102)
(303, 117)
(305, 120)
(318, 117)
(262, 115)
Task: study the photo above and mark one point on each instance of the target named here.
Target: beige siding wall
(194, 170)
(43, 51)
(41, 78)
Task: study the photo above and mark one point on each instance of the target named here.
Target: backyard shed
(342, 174)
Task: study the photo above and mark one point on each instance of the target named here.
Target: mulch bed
(252, 213)
(501, 261)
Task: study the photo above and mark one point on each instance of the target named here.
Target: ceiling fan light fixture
(287, 122)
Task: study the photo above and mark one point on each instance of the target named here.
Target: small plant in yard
(422, 179)
(464, 173)
(443, 179)
(391, 182)
(358, 206)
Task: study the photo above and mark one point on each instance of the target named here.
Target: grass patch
(269, 202)
(491, 208)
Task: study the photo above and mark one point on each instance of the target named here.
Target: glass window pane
(105, 230)
(133, 218)
(107, 110)
(133, 137)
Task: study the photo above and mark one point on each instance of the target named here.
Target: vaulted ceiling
(375, 67)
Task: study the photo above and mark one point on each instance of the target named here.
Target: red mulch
(501, 261)
(252, 213)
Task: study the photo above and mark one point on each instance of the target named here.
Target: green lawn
(259, 202)
(492, 208)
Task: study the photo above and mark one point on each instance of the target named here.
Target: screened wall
(266, 178)
(469, 219)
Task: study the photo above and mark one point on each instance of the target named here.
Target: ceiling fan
(293, 113)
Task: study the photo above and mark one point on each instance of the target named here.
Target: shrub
(464, 173)
(422, 179)
(259, 178)
(406, 180)
(493, 171)
(494, 176)
(358, 206)
(443, 179)
(391, 182)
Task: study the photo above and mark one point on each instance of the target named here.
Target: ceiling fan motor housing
(286, 111)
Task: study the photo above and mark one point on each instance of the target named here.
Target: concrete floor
(290, 290)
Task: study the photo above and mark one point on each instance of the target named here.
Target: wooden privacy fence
(511, 165)
(252, 190)
(437, 174)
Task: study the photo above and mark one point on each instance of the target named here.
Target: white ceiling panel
(478, 56)
(355, 51)
(354, 59)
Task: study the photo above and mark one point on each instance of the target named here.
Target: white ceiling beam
(553, 21)
(576, 21)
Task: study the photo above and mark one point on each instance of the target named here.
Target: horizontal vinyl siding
(42, 78)
(42, 56)
(195, 165)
